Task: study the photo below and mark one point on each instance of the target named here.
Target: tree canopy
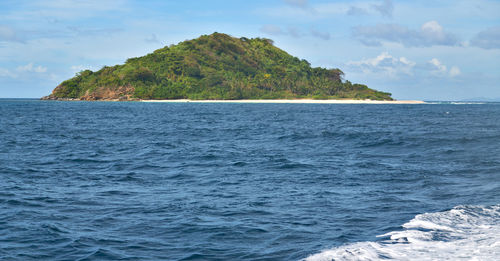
(215, 66)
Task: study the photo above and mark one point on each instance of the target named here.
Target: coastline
(295, 101)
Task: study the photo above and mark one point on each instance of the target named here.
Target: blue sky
(431, 50)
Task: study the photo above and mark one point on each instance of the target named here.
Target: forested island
(214, 67)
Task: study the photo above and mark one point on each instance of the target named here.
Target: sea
(240, 181)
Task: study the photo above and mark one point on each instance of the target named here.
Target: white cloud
(31, 68)
(434, 32)
(487, 39)
(8, 34)
(303, 10)
(384, 65)
(7, 73)
(437, 68)
(432, 27)
(298, 9)
(79, 68)
(454, 71)
(28, 68)
(385, 9)
(431, 33)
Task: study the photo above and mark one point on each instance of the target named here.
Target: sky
(424, 50)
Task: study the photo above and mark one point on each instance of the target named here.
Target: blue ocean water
(211, 181)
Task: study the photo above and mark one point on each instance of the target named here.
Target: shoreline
(300, 101)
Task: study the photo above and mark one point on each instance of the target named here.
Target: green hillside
(215, 66)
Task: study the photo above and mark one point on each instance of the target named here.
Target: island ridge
(214, 67)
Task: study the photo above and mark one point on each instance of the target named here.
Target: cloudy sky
(431, 50)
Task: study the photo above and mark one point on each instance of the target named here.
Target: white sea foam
(467, 103)
(462, 233)
(454, 103)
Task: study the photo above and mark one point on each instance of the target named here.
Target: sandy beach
(296, 101)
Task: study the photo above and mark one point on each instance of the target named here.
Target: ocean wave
(464, 232)
(458, 103)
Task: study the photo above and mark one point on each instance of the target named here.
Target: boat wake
(464, 232)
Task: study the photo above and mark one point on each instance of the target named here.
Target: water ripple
(136, 181)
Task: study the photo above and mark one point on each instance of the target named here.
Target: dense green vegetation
(215, 66)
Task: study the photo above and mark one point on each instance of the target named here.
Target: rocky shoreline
(53, 98)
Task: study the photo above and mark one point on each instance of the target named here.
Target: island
(215, 67)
